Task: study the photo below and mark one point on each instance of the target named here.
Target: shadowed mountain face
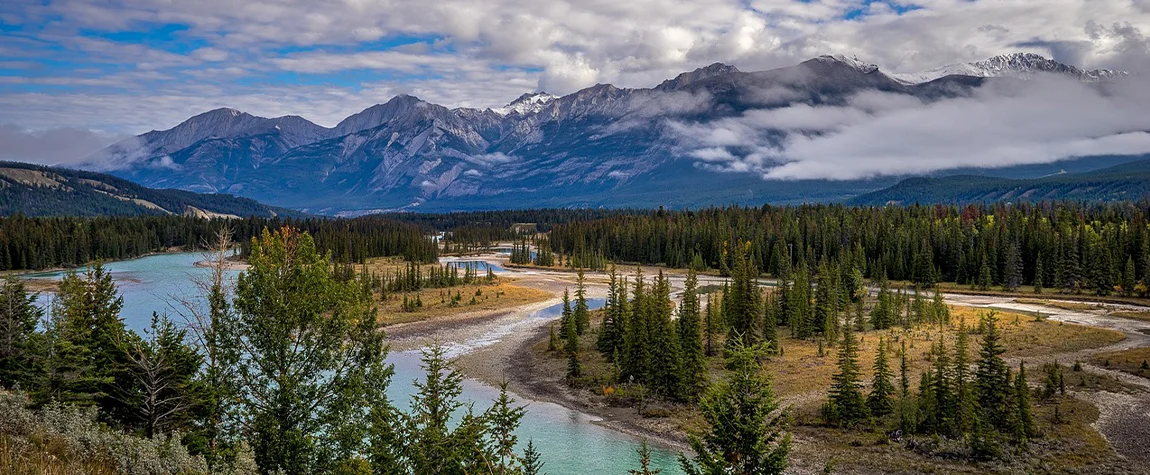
(601, 146)
(1127, 181)
(34, 190)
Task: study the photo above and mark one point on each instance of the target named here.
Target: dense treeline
(502, 220)
(40, 243)
(294, 381)
(1073, 247)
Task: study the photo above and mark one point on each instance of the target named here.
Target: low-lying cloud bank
(1003, 123)
(60, 146)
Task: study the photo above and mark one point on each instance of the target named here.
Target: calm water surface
(569, 441)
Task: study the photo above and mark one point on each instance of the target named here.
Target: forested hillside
(39, 243)
(1128, 181)
(34, 190)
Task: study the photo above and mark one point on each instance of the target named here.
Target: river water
(569, 440)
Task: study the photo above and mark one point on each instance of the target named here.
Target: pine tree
(923, 276)
(1012, 273)
(1128, 280)
(907, 411)
(846, 404)
(610, 337)
(637, 342)
(743, 436)
(940, 311)
(1038, 277)
(91, 318)
(964, 403)
(943, 419)
(532, 460)
(710, 324)
(567, 315)
(885, 311)
(582, 313)
(501, 420)
(826, 311)
(666, 369)
(694, 371)
(984, 278)
(746, 298)
(571, 335)
(992, 380)
(799, 314)
(1025, 421)
(880, 400)
(771, 311)
(19, 316)
(644, 453)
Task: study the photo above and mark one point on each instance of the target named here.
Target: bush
(68, 438)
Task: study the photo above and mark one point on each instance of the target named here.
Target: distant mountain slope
(35, 190)
(1128, 181)
(600, 146)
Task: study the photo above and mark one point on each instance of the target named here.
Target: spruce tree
(1128, 279)
(694, 371)
(581, 313)
(964, 402)
(567, 314)
(532, 460)
(571, 348)
(826, 311)
(885, 310)
(984, 278)
(1024, 426)
(746, 298)
(710, 322)
(942, 389)
(666, 368)
(880, 401)
(746, 432)
(19, 316)
(1038, 277)
(637, 342)
(644, 453)
(846, 405)
(992, 380)
(91, 316)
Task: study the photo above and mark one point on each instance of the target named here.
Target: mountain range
(1126, 181)
(34, 190)
(600, 146)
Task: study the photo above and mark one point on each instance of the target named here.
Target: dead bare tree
(161, 369)
(209, 322)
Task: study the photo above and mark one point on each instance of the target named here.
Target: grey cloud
(61, 146)
(1005, 123)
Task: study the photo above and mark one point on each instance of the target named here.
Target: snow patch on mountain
(852, 61)
(526, 104)
(1020, 65)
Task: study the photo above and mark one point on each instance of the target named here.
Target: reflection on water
(568, 440)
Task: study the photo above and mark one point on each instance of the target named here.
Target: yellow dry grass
(437, 302)
(1134, 361)
(47, 456)
(1072, 306)
(800, 371)
(1145, 316)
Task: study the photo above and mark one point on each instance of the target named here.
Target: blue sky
(105, 69)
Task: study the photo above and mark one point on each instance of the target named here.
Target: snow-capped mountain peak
(851, 61)
(526, 104)
(1021, 65)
